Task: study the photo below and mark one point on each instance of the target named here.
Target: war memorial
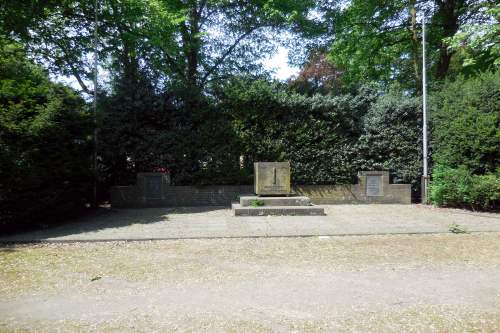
(272, 193)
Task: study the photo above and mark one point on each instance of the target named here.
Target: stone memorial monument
(272, 189)
(151, 185)
(272, 178)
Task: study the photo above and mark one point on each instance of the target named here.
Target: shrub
(485, 191)
(44, 145)
(327, 139)
(391, 137)
(466, 142)
(450, 187)
(460, 188)
(466, 123)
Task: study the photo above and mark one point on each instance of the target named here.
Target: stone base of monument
(262, 206)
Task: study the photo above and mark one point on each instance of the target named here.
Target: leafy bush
(485, 191)
(466, 143)
(143, 130)
(460, 188)
(316, 134)
(44, 145)
(466, 123)
(392, 137)
(327, 139)
(450, 187)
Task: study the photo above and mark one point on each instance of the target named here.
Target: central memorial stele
(273, 194)
(272, 178)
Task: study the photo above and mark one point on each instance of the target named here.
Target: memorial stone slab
(272, 178)
(152, 187)
(374, 186)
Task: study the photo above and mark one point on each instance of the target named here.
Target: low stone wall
(154, 191)
(179, 196)
(353, 194)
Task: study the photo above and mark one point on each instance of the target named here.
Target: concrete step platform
(247, 200)
(239, 210)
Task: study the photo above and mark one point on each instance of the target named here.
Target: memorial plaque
(374, 186)
(272, 178)
(152, 187)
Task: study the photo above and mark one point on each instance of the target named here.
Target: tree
(317, 76)
(380, 40)
(44, 144)
(478, 45)
(186, 43)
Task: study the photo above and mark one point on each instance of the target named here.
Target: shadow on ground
(107, 218)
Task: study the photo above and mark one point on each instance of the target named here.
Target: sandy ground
(210, 222)
(418, 283)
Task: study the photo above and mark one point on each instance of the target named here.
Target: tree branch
(227, 53)
(80, 81)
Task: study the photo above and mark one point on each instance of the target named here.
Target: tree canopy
(379, 40)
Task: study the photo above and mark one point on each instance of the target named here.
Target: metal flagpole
(95, 104)
(425, 176)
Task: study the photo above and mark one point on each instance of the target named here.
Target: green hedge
(466, 142)
(45, 150)
(460, 188)
(328, 139)
(466, 123)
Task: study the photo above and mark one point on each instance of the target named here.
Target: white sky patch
(278, 64)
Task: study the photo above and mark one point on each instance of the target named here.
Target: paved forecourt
(214, 222)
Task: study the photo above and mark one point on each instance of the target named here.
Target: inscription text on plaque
(272, 178)
(374, 186)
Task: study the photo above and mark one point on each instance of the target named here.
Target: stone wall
(363, 192)
(180, 196)
(372, 187)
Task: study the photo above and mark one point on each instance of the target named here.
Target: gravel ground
(210, 222)
(419, 283)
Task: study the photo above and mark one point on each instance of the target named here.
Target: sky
(279, 63)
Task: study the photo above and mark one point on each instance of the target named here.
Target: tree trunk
(191, 47)
(415, 44)
(447, 18)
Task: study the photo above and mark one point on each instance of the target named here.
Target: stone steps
(240, 210)
(246, 201)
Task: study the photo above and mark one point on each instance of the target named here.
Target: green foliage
(44, 144)
(485, 191)
(460, 188)
(327, 139)
(466, 142)
(257, 203)
(315, 133)
(187, 45)
(391, 138)
(479, 44)
(142, 130)
(466, 123)
(450, 187)
(367, 48)
(373, 40)
(457, 229)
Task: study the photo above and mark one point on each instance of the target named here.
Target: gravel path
(413, 283)
(210, 222)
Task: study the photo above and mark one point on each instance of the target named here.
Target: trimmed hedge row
(466, 143)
